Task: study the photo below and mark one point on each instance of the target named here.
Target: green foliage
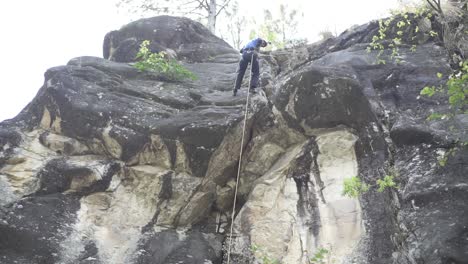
(433, 33)
(436, 116)
(157, 62)
(320, 256)
(428, 91)
(262, 255)
(442, 160)
(269, 30)
(353, 187)
(387, 182)
(456, 88)
(396, 31)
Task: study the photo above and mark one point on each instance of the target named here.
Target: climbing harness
(240, 161)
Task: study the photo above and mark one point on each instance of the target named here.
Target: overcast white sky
(37, 35)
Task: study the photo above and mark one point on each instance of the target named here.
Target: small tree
(158, 63)
(269, 30)
(456, 88)
(279, 31)
(235, 25)
(288, 25)
(321, 256)
(386, 182)
(353, 187)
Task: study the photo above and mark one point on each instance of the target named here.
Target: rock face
(111, 165)
(180, 37)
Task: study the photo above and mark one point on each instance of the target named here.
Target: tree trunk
(212, 16)
(284, 34)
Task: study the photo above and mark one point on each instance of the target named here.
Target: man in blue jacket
(249, 54)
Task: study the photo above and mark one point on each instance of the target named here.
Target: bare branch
(206, 5)
(223, 7)
(191, 8)
(435, 4)
(191, 2)
(156, 9)
(192, 11)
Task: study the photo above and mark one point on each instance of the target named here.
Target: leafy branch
(320, 256)
(263, 256)
(353, 187)
(159, 63)
(456, 88)
(398, 30)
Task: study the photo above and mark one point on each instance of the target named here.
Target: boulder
(178, 36)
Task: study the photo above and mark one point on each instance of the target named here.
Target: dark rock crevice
(301, 170)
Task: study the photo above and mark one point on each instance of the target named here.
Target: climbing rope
(240, 161)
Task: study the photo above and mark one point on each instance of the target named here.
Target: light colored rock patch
(182, 164)
(46, 119)
(18, 175)
(97, 166)
(270, 215)
(291, 104)
(65, 145)
(6, 191)
(183, 187)
(284, 136)
(270, 218)
(225, 196)
(96, 146)
(266, 149)
(263, 158)
(226, 155)
(326, 91)
(50, 124)
(112, 146)
(340, 216)
(197, 208)
(113, 220)
(153, 153)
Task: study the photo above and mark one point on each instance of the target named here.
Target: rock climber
(249, 54)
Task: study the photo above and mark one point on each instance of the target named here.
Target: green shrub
(319, 256)
(456, 88)
(442, 160)
(263, 256)
(158, 63)
(398, 30)
(387, 182)
(353, 187)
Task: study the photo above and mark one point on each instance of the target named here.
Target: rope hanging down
(240, 161)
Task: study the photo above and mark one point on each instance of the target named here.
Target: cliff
(111, 165)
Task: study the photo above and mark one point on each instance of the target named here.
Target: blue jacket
(253, 44)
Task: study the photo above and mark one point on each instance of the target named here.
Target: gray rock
(112, 164)
(170, 247)
(188, 39)
(33, 230)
